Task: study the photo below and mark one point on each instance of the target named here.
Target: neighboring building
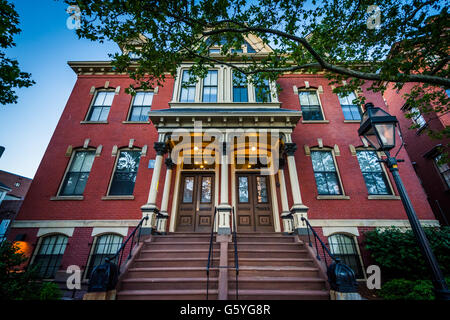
(15, 188)
(424, 151)
(104, 170)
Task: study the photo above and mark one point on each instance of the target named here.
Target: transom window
(105, 246)
(444, 170)
(49, 256)
(344, 248)
(309, 102)
(325, 173)
(140, 108)
(125, 173)
(210, 87)
(100, 107)
(374, 176)
(78, 173)
(351, 111)
(187, 89)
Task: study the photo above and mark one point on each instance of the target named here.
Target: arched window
(344, 247)
(49, 256)
(105, 246)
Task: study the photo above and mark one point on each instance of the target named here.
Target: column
(150, 207)
(287, 222)
(298, 209)
(224, 208)
(161, 219)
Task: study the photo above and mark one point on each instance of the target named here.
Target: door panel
(196, 204)
(254, 207)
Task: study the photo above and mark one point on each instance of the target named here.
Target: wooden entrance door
(196, 202)
(254, 206)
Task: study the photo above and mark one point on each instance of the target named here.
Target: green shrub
(50, 291)
(398, 255)
(402, 289)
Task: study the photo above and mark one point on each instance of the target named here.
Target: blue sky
(43, 49)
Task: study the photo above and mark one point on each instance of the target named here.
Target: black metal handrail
(324, 247)
(236, 258)
(340, 276)
(210, 253)
(124, 244)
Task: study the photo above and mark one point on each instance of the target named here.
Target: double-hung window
(210, 87)
(100, 108)
(78, 173)
(374, 176)
(309, 102)
(140, 108)
(417, 117)
(325, 173)
(187, 93)
(262, 93)
(125, 173)
(240, 91)
(49, 256)
(351, 111)
(344, 248)
(105, 246)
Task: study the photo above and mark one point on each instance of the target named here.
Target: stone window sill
(58, 198)
(383, 197)
(118, 198)
(315, 121)
(93, 122)
(135, 122)
(333, 197)
(352, 121)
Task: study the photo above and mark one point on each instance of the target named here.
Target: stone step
(273, 271)
(198, 294)
(172, 272)
(266, 246)
(178, 238)
(176, 253)
(173, 262)
(299, 262)
(264, 238)
(280, 295)
(277, 283)
(261, 253)
(168, 283)
(179, 245)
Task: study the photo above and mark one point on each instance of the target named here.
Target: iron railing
(211, 254)
(121, 250)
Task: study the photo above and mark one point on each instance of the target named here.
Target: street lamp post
(378, 129)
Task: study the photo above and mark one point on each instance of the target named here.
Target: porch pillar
(287, 223)
(161, 221)
(298, 209)
(224, 208)
(150, 207)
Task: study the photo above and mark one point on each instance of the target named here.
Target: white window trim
(91, 105)
(324, 120)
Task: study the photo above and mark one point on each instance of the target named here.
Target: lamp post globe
(378, 130)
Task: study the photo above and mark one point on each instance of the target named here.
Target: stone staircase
(271, 266)
(171, 267)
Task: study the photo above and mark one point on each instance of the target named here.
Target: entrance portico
(224, 160)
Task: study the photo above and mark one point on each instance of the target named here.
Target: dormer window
(210, 87)
(187, 89)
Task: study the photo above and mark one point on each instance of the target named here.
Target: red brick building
(108, 165)
(424, 151)
(12, 201)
